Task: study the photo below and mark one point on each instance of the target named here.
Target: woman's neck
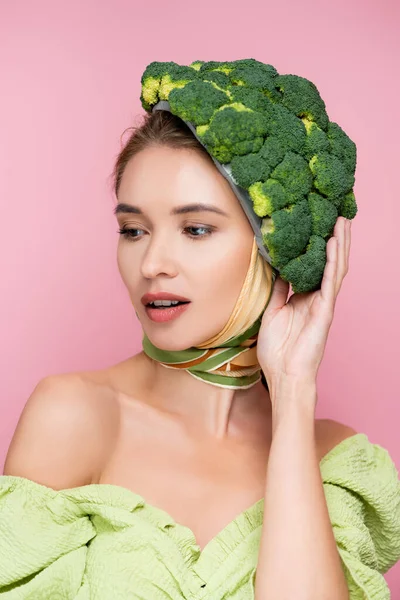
(219, 412)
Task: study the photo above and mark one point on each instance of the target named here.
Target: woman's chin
(178, 344)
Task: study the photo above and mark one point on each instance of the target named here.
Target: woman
(150, 480)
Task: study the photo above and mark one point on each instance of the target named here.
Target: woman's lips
(161, 315)
(151, 296)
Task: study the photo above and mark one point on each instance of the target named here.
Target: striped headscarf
(228, 359)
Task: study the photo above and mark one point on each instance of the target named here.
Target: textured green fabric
(105, 542)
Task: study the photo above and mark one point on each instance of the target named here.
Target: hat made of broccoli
(291, 168)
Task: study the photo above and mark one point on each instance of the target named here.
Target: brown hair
(159, 127)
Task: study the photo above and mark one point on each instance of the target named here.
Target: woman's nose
(158, 259)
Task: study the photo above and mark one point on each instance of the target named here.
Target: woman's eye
(130, 233)
(208, 231)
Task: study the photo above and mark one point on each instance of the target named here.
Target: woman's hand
(292, 337)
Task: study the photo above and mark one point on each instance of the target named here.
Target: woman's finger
(348, 242)
(279, 295)
(340, 233)
(328, 285)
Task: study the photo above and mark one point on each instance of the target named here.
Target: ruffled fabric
(362, 490)
(105, 542)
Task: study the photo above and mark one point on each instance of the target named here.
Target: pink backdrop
(70, 84)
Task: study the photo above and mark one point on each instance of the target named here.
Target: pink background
(70, 85)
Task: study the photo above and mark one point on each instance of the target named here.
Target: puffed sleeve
(43, 537)
(362, 491)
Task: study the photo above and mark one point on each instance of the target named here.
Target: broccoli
(302, 98)
(251, 98)
(307, 269)
(268, 196)
(196, 64)
(249, 169)
(323, 215)
(342, 146)
(296, 167)
(287, 128)
(316, 140)
(287, 232)
(213, 65)
(233, 129)
(197, 101)
(295, 176)
(151, 79)
(348, 207)
(330, 175)
(258, 77)
(220, 80)
(257, 167)
(288, 183)
(228, 66)
(159, 79)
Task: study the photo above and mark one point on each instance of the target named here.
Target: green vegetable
(330, 175)
(273, 130)
(287, 184)
(233, 129)
(160, 78)
(197, 101)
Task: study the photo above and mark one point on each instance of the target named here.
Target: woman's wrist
(292, 397)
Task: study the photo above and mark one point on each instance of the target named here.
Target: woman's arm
(298, 556)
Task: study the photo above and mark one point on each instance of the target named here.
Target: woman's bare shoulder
(329, 433)
(63, 429)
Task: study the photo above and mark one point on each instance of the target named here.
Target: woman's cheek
(126, 269)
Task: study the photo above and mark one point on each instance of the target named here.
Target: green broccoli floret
(342, 146)
(268, 197)
(288, 183)
(197, 101)
(228, 66)
(177, 77)
(287, 232)
(286, 128)
(348, 207)
(249, 168)
(221, 80)
(305, 272)
(196, 64)
(201, 130)
(256, 76)
(323, 214)
(251, 98)
(316, 141)
(345, 205)
(234, 129)
(257, 167)
(331, 177)
(274, 134)
(214, 65)
(302, 98)
(151, 81)
(272, 151)
(295, 176)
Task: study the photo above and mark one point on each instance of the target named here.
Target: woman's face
(198, 254)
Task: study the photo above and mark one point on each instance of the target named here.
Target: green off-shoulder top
(105, 542)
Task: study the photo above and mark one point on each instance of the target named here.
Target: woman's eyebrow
(121, 207)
